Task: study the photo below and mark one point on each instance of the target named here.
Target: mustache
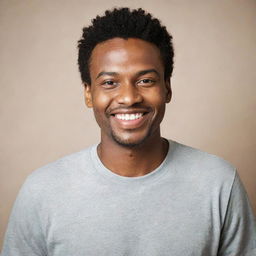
(134, 108)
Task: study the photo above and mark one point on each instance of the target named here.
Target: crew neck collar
(153, 175)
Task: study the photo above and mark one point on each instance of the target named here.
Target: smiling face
(128, 92)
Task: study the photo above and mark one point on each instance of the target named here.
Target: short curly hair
(124, 23)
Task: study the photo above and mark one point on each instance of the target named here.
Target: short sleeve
(24, 234)
(238, 236)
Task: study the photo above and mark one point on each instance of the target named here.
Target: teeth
(129, 116)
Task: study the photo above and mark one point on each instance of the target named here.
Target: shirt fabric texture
(193, 204)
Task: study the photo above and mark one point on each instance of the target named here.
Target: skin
(127, 77)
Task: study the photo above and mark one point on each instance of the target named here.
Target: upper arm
(238, 236)
(24, 234)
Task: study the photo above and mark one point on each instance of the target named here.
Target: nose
(128, 95)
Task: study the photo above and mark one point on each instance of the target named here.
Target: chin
(130, 141)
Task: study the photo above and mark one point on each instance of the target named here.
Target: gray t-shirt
(193, 204)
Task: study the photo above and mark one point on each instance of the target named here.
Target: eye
(146, 82)
(108, 84)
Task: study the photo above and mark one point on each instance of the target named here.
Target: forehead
(125, 55)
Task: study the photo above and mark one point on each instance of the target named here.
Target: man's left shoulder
(202, 164)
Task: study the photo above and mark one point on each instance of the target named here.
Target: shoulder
(202, 166)
(60, 172)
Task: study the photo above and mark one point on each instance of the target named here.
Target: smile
(128, 117)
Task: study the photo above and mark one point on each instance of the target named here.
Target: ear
(168, 91)
(88, 95)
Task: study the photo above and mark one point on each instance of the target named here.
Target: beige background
(43, 116)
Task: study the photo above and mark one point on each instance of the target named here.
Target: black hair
(124, 23)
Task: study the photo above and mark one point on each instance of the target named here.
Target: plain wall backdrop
(42, 111)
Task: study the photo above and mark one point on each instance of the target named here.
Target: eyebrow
(140, 73)
(144, 72)
(106, 73)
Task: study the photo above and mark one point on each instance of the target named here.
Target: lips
(128, 110)
(129, 118)
(129, 121)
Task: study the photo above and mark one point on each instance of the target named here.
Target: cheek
(100, 101)
(157, 101)
(100, 117)
(157, 98)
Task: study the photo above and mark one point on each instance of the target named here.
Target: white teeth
(129, 116)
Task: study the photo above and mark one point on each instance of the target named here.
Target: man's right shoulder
(61, 171)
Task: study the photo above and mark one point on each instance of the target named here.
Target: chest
(134, 223)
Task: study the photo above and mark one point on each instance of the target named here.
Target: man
(135, 193)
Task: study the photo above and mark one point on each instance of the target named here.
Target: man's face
(128, 92)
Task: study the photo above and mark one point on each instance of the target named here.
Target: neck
(134, 161)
